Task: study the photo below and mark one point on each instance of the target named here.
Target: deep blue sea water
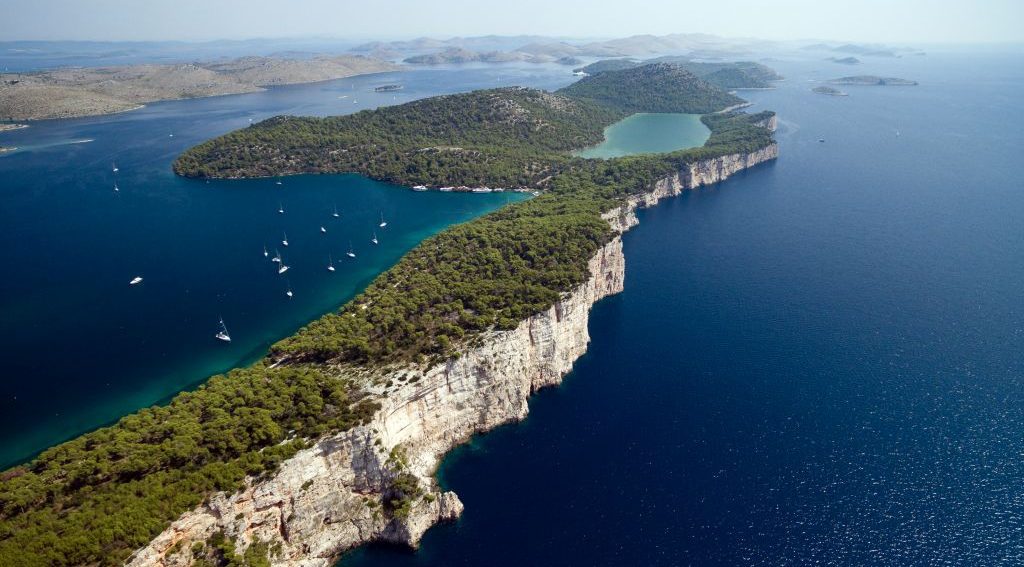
(818, 361)
(81, 348)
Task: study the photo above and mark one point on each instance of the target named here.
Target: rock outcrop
(331, 496)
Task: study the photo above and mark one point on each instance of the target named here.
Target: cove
(81, 347)
(649, 133)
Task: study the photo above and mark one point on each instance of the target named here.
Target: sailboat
(383, 222)
(330, 263)
(350, 253)
(284, 242)
(335, 213)
(114, 167)
(323, 230)
(223, 333)
(277, 257)
(280, 209)
(115, 187)
(136, 280)
(278, 183)
(289, 292)
(265, 253)
(282, 268)
(374, 239)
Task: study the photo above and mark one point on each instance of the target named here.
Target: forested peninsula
(332, 439)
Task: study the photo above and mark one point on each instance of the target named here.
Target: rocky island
(828, 91)
(872, 80)
(333, 439)
(71, 92)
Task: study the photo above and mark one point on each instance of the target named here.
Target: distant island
(388, 88)
(864, 50)
(333, 439)
(872, 80)
(845, 60)
(735, 75)
(72, 92)
(540, 49)
(828, 91)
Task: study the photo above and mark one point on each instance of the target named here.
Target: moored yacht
(136, 280)
(351, 253)
(383, 222)
(222, 334)
(374, 239)
(330, 263)
(284, 241)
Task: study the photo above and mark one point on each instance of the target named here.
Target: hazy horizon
(870, 21)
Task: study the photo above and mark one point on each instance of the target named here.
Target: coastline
(327, 498)
(69, 100)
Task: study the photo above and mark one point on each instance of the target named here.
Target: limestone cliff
(329, 497)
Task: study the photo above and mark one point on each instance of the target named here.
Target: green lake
(649, 133)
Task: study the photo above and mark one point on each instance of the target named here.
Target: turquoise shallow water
(649, 133)
(80, 347)
(817, 362)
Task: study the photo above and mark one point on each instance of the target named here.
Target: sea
(816, 362)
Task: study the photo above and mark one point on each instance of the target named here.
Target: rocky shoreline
(329, 498)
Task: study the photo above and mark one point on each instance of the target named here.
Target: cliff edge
(340, 492)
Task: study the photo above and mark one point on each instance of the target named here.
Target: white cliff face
(328, 498)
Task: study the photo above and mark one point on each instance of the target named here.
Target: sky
(893, 21)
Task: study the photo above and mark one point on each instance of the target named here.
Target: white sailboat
(136, 280)
(222, 334)
(116, 189)
(350, 253)
(383, 222)
(289, 292)
(323, 230)
(277, 257)
(265, 253)
(278, 183)
(282, 268)
(330, 263)
(114, 167)
(284, 241)
(335, 213)
(374, 239)
(280, 209)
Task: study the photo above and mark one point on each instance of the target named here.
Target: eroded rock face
(328, 498)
